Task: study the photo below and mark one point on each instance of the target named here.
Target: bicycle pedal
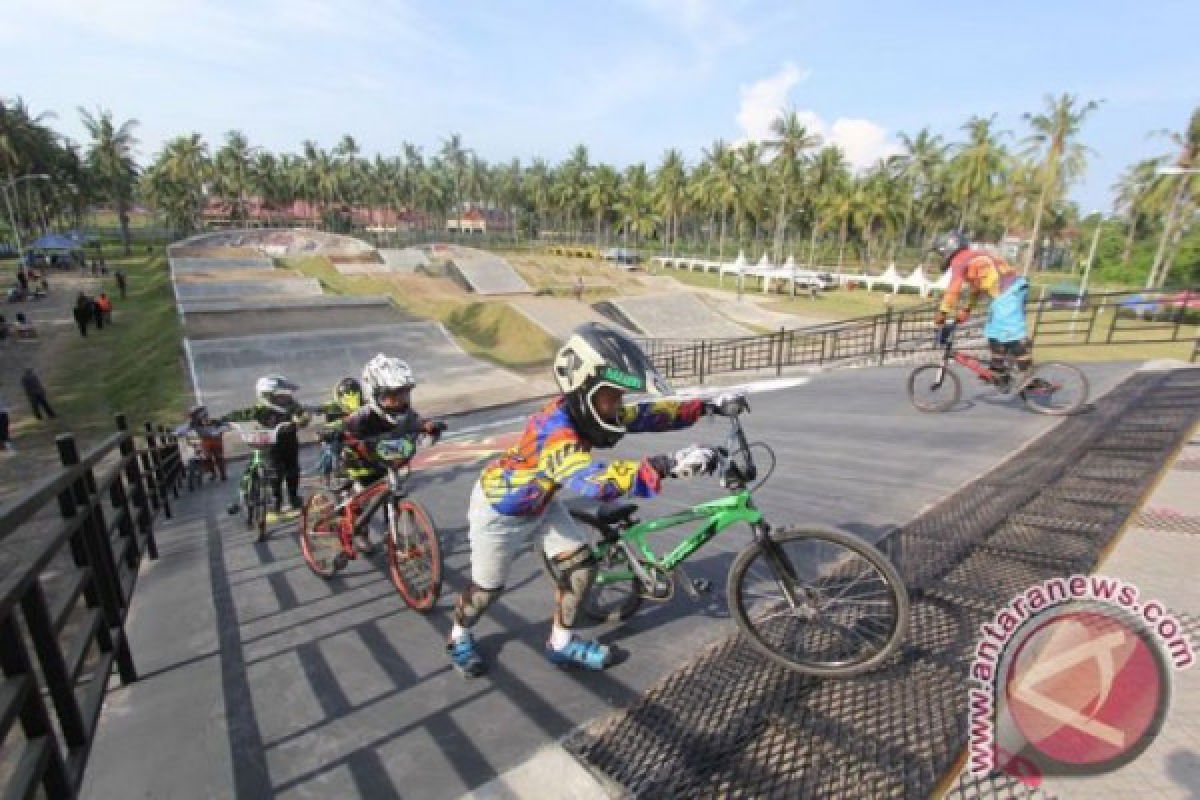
(340, 561)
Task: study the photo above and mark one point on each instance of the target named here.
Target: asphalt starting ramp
(678, 315)
(557, 316)
(192, 265)
(225, 369)
(479, 271)
(287, 314)
(196, 294)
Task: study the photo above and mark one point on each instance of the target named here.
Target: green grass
(136, 365)
(832, 305)
(490, 330)
(501, 334)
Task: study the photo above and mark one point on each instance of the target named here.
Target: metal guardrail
(1099, 319)
(66, 583)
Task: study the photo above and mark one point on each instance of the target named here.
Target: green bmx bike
(817, 601)
(255, 491)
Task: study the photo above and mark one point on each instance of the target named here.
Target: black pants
(83, 326)
(38, 403)
(1021, 350)
(3, 427)
(287, 470)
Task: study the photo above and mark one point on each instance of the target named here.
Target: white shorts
(495, 537)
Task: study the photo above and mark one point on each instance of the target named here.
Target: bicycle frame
(719, 515)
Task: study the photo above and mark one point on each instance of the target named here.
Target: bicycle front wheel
(250, 499)
(933, 387)
(819, 602)
(320, 532)
(1055, 388)
(414, 555)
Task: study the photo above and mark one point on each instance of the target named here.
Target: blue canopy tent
(54, 248)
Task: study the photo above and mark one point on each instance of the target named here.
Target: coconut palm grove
(789, 194)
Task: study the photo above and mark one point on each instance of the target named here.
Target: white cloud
(762, 101)
(862, 141)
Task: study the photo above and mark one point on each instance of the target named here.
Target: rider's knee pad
(471, 604)
(574, 573)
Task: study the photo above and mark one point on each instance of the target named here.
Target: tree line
(790, 194)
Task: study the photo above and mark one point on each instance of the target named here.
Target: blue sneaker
(586, 653)
(465, 657)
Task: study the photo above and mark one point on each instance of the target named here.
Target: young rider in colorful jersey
(984, 273)
(389, 414)
(516, 495)
(347, 398)
(210, 433)
(277, 404)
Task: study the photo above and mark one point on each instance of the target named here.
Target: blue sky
(629, 78)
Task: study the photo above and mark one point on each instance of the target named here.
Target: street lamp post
(1153, 278)
(12, 220)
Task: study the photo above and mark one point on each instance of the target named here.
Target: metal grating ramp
(732, 725)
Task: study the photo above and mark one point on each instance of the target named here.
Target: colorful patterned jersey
(552, 454)
(982, 272)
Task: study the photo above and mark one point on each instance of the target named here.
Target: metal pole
(1087, 271)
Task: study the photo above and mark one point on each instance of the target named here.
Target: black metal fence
(867, 339)
(67, 577)
(1131, 318)
(1116, 318)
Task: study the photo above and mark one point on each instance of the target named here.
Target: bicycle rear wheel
(1056, 389)
(321, 532)
(850, 611)
(933, 387)
(414, 555)
(261, 501)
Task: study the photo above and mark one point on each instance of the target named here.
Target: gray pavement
(679, 315)
(225, 369)
(188, 294)
(486, 273)
(222, 320)
(262, 680)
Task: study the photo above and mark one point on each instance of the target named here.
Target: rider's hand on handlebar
(728, 404)
(694, 460)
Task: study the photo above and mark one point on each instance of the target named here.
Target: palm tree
(977, 165)
(791, 143)
(1187, 156)
(110, 158)
(232, 169)
(1055, 130)
(921, 158)
(828, 179)
(669, 183)
(454, 156)
(1134, 190)
(601, 193)
(636, 203)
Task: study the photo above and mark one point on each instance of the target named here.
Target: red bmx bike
(1050, 388)
(332, 517)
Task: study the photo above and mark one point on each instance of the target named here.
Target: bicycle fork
(781, 568)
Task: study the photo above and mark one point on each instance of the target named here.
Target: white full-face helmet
(276, 392)
(387, 383)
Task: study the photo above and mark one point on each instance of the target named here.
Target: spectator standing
(82, 313)
(121, 282)
(97, 315)
(6, 447)
(105, 306)
(36, 393)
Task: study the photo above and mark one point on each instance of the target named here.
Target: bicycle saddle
(607, 517)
